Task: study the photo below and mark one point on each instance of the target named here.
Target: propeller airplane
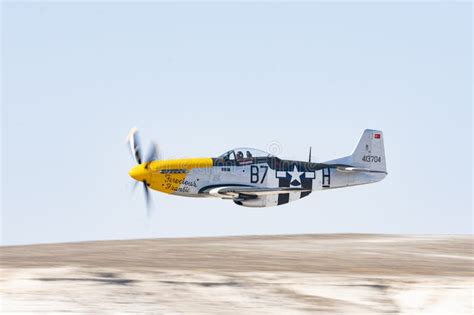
(254, 178)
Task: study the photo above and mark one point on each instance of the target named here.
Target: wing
(258, 197)
(231, 192)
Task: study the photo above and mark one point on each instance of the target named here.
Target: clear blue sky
(203, 78)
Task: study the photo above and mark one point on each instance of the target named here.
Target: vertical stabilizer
(370, 152)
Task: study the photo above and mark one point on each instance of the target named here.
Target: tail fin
(370, 152)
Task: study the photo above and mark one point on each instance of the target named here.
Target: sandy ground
(300, 274)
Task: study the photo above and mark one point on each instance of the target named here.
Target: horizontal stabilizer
(357, 169)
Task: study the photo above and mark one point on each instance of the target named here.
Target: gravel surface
(297, 274)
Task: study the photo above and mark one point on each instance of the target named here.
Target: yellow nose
(139, 173)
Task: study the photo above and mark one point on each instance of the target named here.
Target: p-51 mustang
(254, 178)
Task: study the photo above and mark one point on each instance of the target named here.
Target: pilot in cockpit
(249, 155)
(240, 155)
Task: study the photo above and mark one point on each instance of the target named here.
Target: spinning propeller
(140, 172)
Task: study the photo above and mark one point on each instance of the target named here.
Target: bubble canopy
(239, 153)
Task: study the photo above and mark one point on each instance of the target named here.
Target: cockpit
(242, 154)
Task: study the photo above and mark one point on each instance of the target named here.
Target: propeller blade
(134, 142)
(147, 200)
(135, 184)
(152, 153)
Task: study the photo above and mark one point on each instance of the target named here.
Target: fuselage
(195, 177)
